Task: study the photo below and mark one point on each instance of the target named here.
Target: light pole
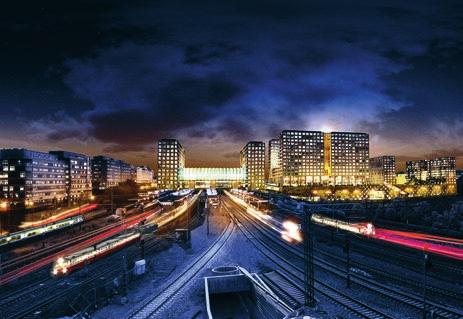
(425, 266)
(292, 233)
(347, 250)
(309, 293)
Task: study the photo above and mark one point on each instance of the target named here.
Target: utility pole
(309, 298)
(425, 265)
(112, 201)
(347, 249)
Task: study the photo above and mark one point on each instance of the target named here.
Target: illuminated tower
(171, 159)
(252, 159)
(273, 160)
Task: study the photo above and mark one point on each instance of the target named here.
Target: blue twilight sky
(112, 76)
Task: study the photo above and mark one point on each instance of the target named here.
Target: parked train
(66, 264)
(362, 228)
(34, 232)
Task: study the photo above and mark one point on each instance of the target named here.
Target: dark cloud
(127, 73)
(179, 105)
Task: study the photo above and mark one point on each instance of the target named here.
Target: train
(66, 264)
(34, 232)
(362, 228)
(212, 197)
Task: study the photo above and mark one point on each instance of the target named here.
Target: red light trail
(430, 243)
(128, 223)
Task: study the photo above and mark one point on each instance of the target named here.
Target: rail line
(156, 303)
(392, 293)
(275, 255)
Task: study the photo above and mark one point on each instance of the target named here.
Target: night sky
(111, 77)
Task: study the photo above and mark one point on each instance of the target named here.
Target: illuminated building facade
(382, 170)
(144, 175)
(350, 153)
(78, 174)
(441, 170)
(252, 160)
(204, 177)
(273, 160)
(29, 178)
(108, 172)
(314, 158)
(301, 158)
(171, 159)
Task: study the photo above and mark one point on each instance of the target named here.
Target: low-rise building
(30, 178)
(144, 175)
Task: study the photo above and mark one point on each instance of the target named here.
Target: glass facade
(273, 160)
(213, 174)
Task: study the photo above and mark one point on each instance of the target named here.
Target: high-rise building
(30, 178)
(382, 170)
(273, 160)
(78, 174)
(349, 157)
(252, 159)
(108, 172)
(144, 175)
(301, 158)
(313, 157)
(171, 159)
(441, 170)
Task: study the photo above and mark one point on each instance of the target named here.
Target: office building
(252, 159)
(314, 158)
(349, 157)
(29, 178)
(170, 160)
(382, 170)
(301, 158)
(441, 170)
(78, 174)
(144, 175)
(273, 160)
(108, 172)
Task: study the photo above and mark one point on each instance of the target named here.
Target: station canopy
(213, 174)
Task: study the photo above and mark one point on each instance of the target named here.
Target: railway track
(159, 301)
(408, 299)
(392, 277)
(40, 294)
(280, 259)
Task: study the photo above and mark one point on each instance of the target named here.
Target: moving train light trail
(289, 230)
(62, 215)
(66, 264)
(34, 232)
(34, 266)
(423, 242)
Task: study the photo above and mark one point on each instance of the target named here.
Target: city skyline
(132, 74)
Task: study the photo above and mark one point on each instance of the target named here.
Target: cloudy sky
(112, 76)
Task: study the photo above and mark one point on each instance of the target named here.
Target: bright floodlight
(291, 232)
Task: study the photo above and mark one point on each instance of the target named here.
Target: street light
(4, 205)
